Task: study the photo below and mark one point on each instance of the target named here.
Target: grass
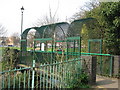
(28, 48)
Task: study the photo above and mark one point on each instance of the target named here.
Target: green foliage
(110, 13)
(10, 58)
(80, 82)
(107, 25)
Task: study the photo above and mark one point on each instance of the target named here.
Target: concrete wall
(116, 66)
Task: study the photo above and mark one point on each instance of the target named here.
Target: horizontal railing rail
(55, 75)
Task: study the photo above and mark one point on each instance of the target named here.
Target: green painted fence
(55, 75)
(104, 63)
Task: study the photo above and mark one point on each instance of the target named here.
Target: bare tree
(15, 37)
(48, 19)
(85, 8)
(3, 31)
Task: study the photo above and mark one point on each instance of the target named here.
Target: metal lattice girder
(77, 25)
(59, 37)
(42, 39)
(73, 38)
(92, 41)
(47, 31)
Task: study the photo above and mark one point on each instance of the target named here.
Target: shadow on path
(105, 82)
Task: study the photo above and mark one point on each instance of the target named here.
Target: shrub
(10, 58)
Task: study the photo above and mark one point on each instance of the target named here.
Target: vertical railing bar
(29, 79)
(101, 71)
(33, 74)
(101, 65)
(73, 46)
(70, 72)
(9, 79)
(52, 53)
(40, 76)
(57, 72)
(19, 80)
(80, 62)
(56, 75)
(24, 78)
(47, 79)
(88, 46)
(63, 67)
(3, 81)
(37, 80)
(111, 65)
(50, 76)
(53, 76)
(68, 75)
(61, 75)
(76, 66)
(79, 46)
(44, 76)
(14, 79)
(65, 73)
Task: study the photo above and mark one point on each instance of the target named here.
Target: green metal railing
(13, 79)
(104, 63)
(55, 75)
(66, 49)
(95, 45)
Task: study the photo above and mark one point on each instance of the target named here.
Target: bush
(10, 58)
(80, 80)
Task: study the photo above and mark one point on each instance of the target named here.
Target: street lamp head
(22, 9)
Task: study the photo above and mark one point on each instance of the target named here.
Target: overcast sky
(10, 13)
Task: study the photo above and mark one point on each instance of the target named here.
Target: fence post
(111, 65)
(89, 65)
(93, 70)
(116, 66)
(33, 74)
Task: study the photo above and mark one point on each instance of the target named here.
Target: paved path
(105, 82)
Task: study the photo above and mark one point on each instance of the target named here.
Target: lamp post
(22, 9)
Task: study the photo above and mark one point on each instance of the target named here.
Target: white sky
(10, 13)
